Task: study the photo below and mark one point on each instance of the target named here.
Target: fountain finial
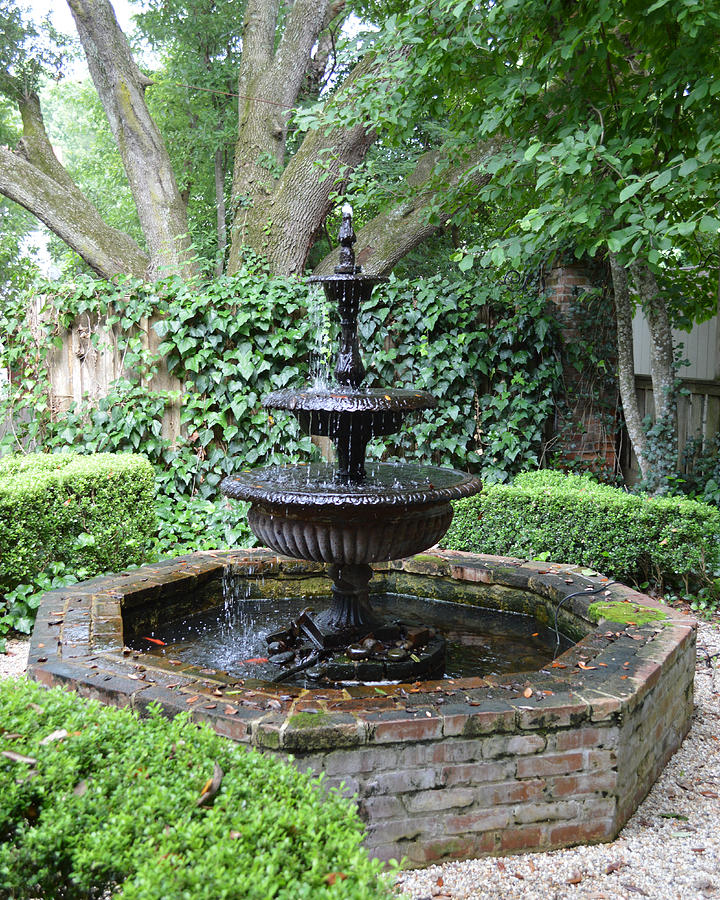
(347, 239)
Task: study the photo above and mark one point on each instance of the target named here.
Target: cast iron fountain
(353, 513)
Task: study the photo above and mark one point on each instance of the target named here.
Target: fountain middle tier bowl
(359, 414)
(307, 513)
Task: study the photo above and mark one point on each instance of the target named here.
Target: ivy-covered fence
(490, 357)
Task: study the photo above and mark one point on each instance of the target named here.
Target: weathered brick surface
(444, 769)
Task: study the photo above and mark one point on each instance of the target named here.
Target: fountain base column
(350, 610)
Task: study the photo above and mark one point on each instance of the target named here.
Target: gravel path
(669, 850)
(14, 662)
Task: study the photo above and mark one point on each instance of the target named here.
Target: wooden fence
(89, 359)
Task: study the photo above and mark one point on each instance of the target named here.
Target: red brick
(585, 783)
(580, 833)
(510, 792)
(553, 764)
(480, 820)
(586, 737)
(520, 839)
(398, 730)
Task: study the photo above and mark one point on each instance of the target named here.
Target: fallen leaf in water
(192, 699)
(332, 877)
(557, 665)
(211, 787)
(155, 641)
(255, 659)
(528, 692)
(583, 666)
(230, 711)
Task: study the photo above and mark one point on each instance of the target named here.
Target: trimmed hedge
(572, 518)
(90, 512)
(106, 799)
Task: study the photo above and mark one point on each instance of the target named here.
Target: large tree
(280, 195)
(608, 111)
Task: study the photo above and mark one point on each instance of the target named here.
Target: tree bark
(626, 365)
(285, 227)
(220, 161)
(33, 177)
(269, 82)
(121, 88)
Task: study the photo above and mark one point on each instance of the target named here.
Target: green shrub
(572, 518)
(112, 799)
(89, 513)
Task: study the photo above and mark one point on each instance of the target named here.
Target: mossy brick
(512, 745)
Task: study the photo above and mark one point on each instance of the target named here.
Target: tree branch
(121, 88)
(69, 214)
(399, 229)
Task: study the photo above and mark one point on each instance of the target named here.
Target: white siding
(700, 347)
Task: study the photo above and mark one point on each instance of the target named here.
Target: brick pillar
(585, 426)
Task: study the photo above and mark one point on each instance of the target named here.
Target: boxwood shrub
(572, 518)
(93, 513)
(96, 799)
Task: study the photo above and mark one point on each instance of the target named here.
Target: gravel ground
(669, 850)
(14, 661)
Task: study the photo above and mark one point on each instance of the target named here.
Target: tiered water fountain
(351, 513)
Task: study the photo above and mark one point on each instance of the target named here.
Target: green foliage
(488, 356)
(64, 517)
(574, 519)
(113, 804)
(604, 118)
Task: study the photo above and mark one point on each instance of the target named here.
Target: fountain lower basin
(443, 769)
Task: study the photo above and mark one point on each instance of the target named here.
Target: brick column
(584, 431)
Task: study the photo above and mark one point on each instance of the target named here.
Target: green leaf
(709, 224)
(630, 190)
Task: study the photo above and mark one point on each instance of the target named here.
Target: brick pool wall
(442, 769)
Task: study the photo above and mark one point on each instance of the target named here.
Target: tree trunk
(121, 88)
(268, 84)
(33, 177)
(220, 162)
(626, 365)
(662, 369)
